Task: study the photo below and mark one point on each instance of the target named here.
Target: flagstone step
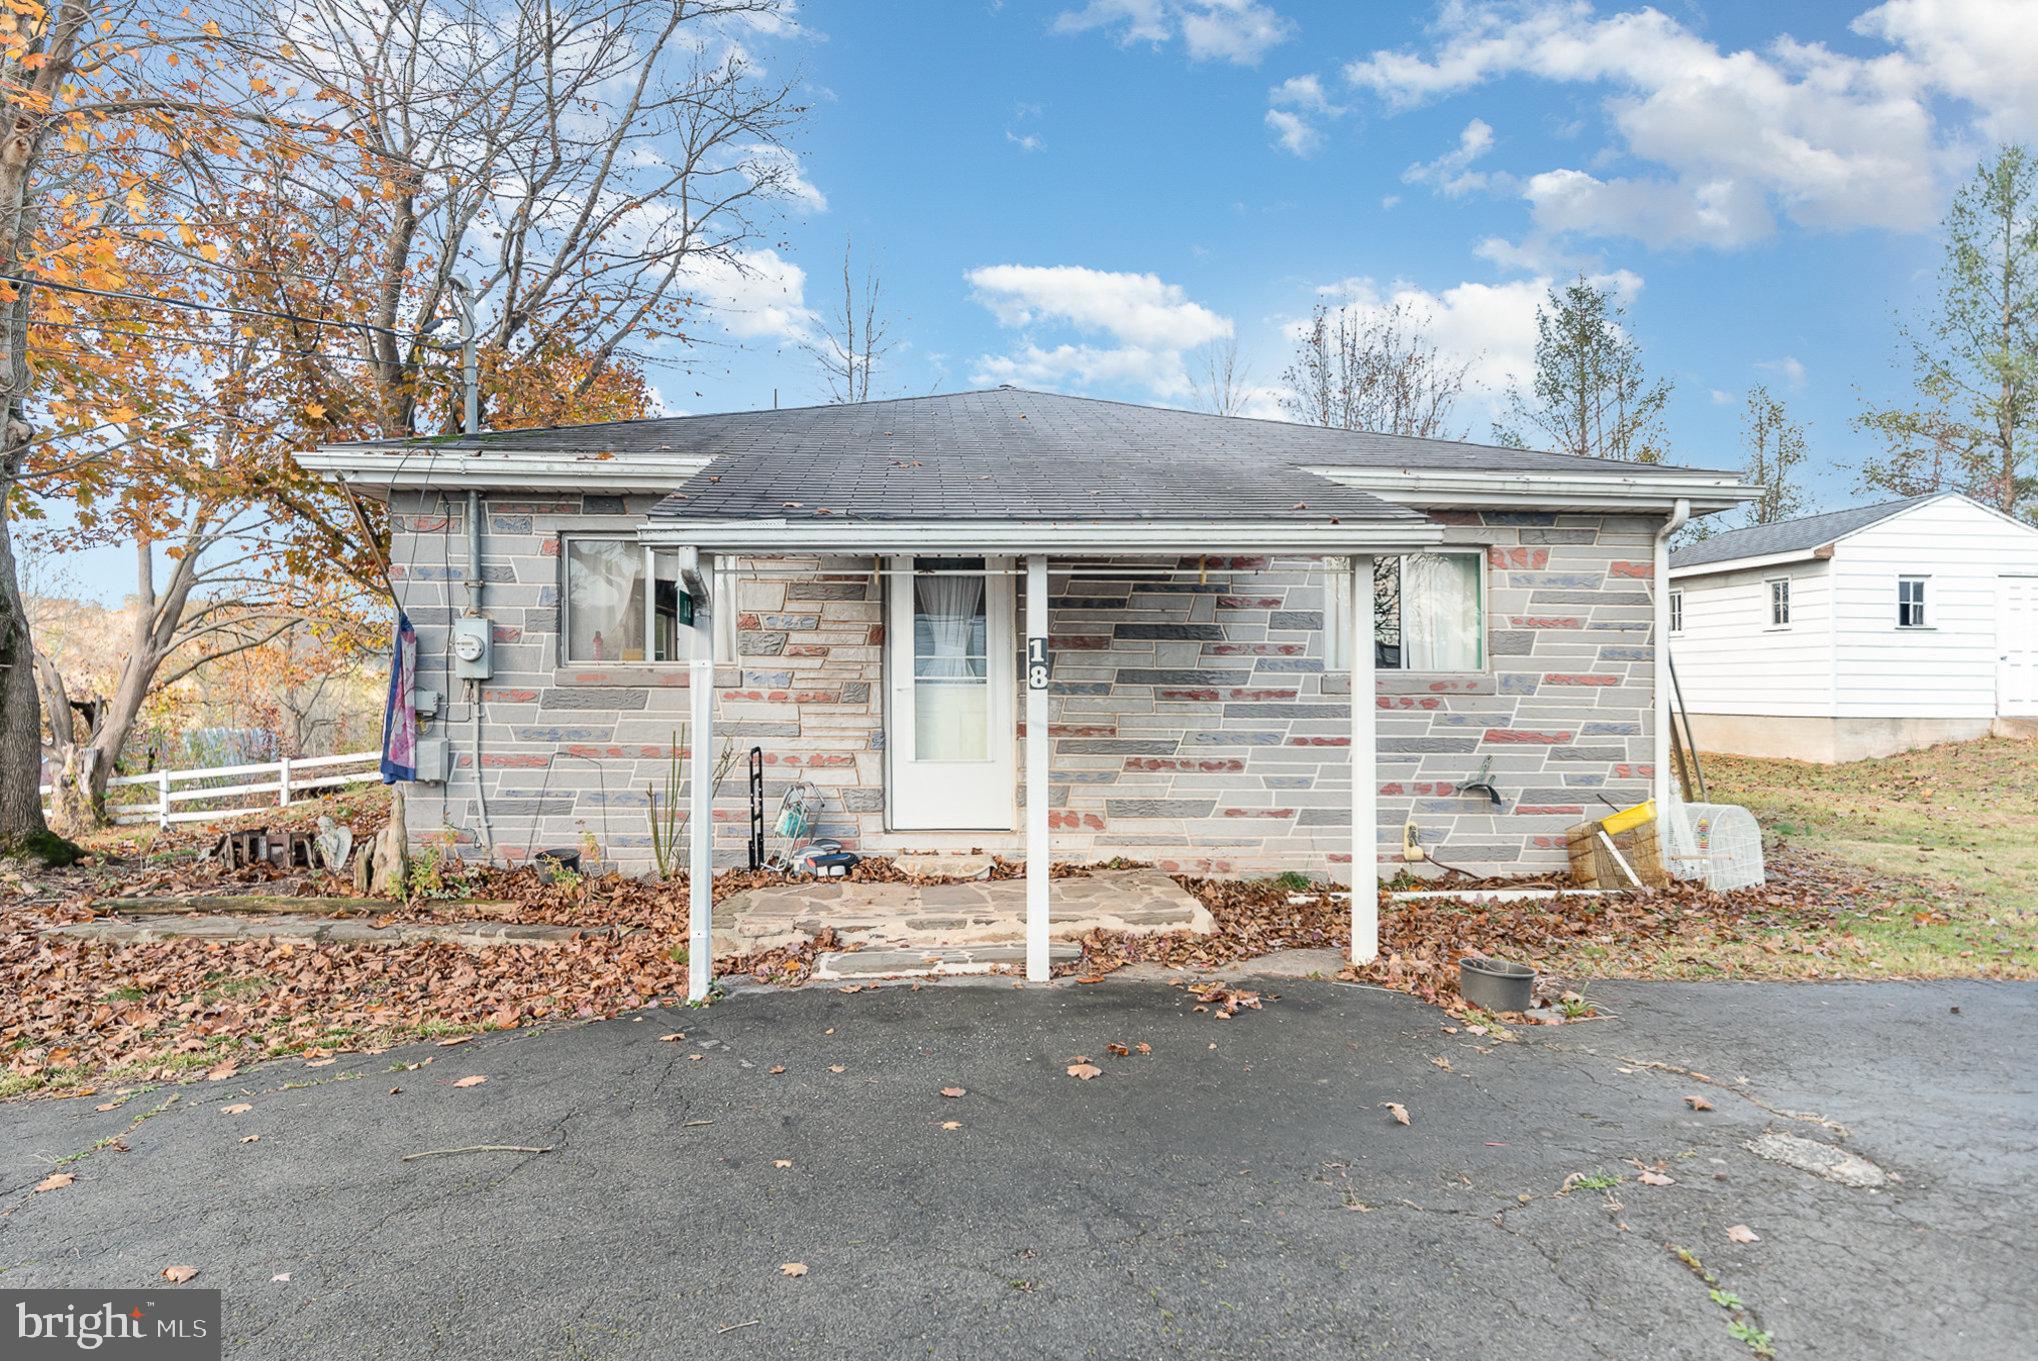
(977, 914)
(938, 962)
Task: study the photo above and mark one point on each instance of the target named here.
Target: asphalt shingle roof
(1008, 453)
(1789, 536)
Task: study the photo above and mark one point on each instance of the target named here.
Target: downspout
(1660, 784)
(470, 374)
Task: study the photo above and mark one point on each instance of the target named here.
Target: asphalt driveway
(1241, 1191)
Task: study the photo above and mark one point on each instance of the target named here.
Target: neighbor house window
(1429, 613)
(1910, 602)
(604, 602)
(1677, 611)
(1779, 603)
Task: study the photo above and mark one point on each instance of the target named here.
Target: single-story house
(1033, 625)
(1858, 633)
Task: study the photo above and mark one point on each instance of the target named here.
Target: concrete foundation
(1829, 741)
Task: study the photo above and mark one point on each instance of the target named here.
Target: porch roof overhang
(783, 535)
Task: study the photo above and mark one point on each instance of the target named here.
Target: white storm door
(2017, 646)
(950, 665)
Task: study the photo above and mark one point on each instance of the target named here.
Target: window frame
(1337, 606)
(697, 635)
(1676, 612)
(1922, 581)
(1771, 601)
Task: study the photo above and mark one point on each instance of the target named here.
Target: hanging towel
(399, 717)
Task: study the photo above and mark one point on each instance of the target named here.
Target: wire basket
(1717, 843)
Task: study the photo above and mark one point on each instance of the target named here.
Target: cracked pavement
(1198, 1201)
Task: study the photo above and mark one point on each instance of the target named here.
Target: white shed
(1858, 633)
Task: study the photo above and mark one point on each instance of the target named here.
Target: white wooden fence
(288, 778)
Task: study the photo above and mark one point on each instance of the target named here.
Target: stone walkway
(977, 916)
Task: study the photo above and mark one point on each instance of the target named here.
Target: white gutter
(1660, 785)
(433, 467)
(1544, 491)
(977, 537)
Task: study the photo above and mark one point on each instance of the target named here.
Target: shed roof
(1801, 535)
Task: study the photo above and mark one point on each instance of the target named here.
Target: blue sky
(1078, 194)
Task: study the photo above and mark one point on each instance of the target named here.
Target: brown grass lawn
(1950, 834)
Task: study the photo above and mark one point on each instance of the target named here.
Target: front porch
(1016, 667)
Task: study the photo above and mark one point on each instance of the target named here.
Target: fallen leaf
(853, 987)
(107, 1106)
(837, 1068)
(280, 1276)
(781, 1162)
(251, 1138)
(55, 1181)
(1143, 1047)
(955, 1091)
(318, 1063)
(1442, 1062)
(793, 1269)
(1656, 1179)
(1397, 1110)
(395, 1091)
(455, 1039)
(238, 1108)
(1120, 1050)
(474, 1081)
(221, 1072)
(951, 1124)
(777, 1068)
(1697, 1102)
(1741, 1233)
(1085, 1071)
(674, 1038)
(177, 1275)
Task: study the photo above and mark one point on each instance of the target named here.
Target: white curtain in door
(1441, 629)
(951, 689)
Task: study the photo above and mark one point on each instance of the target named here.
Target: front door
(2017, 646)
(949, 661)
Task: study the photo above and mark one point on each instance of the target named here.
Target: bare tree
(1221, 382)
(1374, 368)
(1591, 395)
(1776, 448)
(856, 338)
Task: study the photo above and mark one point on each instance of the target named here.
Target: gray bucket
(1495, 984)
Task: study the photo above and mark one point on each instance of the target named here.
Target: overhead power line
(228, 309)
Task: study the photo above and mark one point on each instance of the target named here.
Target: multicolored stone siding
(1194, 722)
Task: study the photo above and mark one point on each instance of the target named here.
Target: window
(1779, 603)
(1429, 613)
(1910, 602)
(604, 598)
(1677, 611)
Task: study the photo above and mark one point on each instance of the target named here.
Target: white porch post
(700, 958)
(1365, 773)
(1039, 855)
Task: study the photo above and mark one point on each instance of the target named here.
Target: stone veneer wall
(1194, 724)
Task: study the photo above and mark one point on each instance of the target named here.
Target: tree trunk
(21, 820)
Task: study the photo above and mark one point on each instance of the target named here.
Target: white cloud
(1728, 141)
(1240, 31)
(1789, 368)
(1491, 327)
(757, 295)
(1721, 397)
(1025, 141)
(1151, 322)
(1293, 110)
(1452, 172)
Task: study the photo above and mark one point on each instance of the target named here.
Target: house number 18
(1038, 664)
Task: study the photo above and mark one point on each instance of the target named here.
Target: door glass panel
(951, 661)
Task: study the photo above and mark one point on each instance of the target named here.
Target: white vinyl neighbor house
(1858, 633)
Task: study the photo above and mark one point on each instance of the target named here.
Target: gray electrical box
(425, 702)
(473, 648)
(431, 760)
